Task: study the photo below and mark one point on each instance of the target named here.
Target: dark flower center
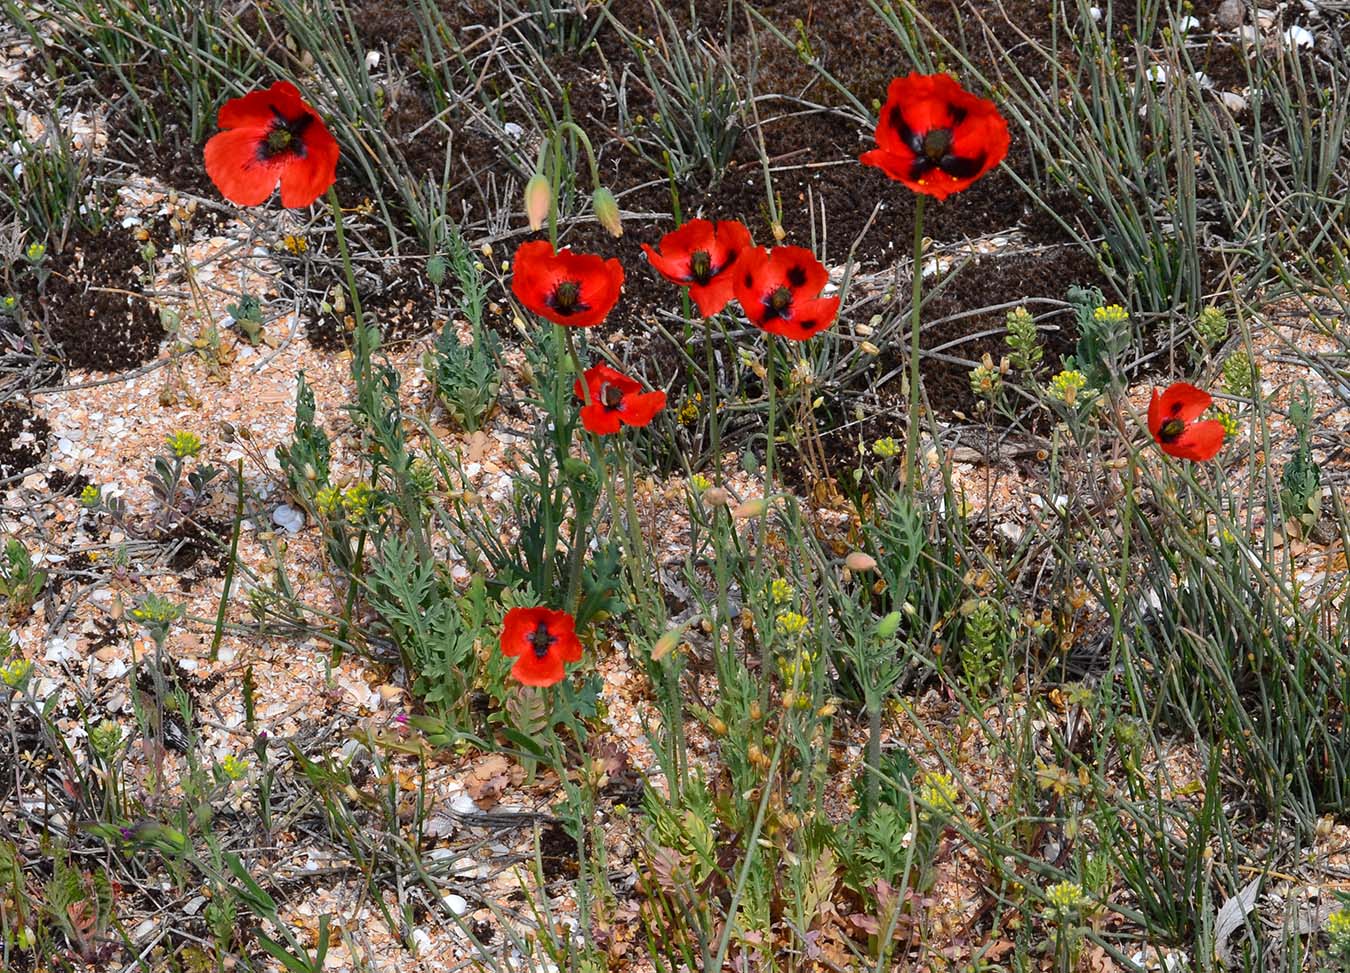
(610, 397)
(700, 266)
(933, 149)
(566, 298)
(287, 135)
(1171, 430)
(541, 641)
(780, 300)
(936, 143)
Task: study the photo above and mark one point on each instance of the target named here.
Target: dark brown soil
(17, 458)
(66, 484)
(200, 545)
(92, 305)
(404, 306)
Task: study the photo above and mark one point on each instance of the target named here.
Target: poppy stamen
(286, 135)
(779, 302)
(566, 298)
(701, 266)
(936, 143)
(1171, 430)
(541, 640)
(611, 396)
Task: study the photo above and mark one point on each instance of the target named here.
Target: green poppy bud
(607, 211)
(888, 625)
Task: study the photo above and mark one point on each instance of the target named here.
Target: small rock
(455, 903)
(1230, 14)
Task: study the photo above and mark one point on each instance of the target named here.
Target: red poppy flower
(1171, 420)
(935, 136)
(780, 291)
(702, 255)
(543, 639)
(269, 137)
(576, 289)
(616, 400)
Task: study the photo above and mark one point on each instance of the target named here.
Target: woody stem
(912, 432)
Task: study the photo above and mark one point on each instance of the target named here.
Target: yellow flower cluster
(1065, 897)
(183, 444)
(16, 673)
(1112, 314)
(1338, 930)
(1066, 385)
(939, 792)
(234, 768)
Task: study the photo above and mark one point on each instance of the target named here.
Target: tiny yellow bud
(716, 497)
(870, 349)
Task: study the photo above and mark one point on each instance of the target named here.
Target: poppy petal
(896, 165)
(809, 318)
(674, 268)
(713, 297)
(305, 179)
(639, 410)
(516, 629)
(568, 646)
(798, 268)
(1183, 401)
(233, 164)
(595, 418)
(531, 670)
(1200, 442)
(255, 108)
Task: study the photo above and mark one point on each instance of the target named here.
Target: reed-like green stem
(916, 302)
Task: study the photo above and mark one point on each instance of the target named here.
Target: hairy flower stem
(601, 470)
(916, 300)
(873, 751)
(714, 430)
(361, 353)
(766, 643)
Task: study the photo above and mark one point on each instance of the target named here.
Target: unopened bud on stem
(607, 211)
(538, 199)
